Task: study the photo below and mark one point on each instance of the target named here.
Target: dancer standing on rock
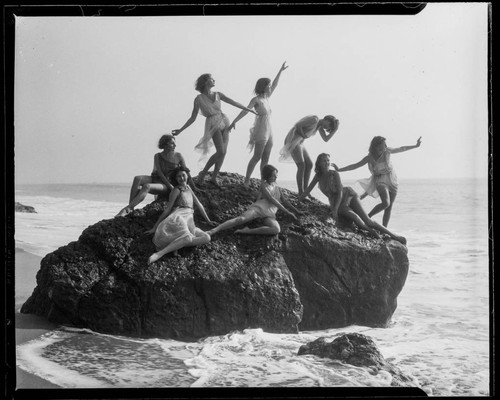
(157, 183)
(208, 102)
(261, 134)
(294, 148)
(343, 200)
(383, 182)
(175, 227)
(269, 201)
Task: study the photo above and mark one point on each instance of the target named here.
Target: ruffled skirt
(261, 131)
(388, 179)
(292, 140)
(179, 224)
(213, 123)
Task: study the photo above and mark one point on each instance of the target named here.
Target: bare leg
(388, 210)
(298, 157)
(137, 183)
(242, 219)
(178, 244)
(358, 208)
(384, 200)
(271, 228)
(222, 150)
(257, 156)
(353, 216)
(219, 150)
(152, 188)
(307, 170)
(300, 177)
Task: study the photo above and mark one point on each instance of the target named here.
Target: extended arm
(267, 195)
(354, 166)
(277, 78)
(191, 119)
(201, 208)
(167, 211)
(243, 113)
(226, 99)
(406, 148)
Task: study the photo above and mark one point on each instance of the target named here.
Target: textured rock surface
(359, 350)
(18, 207)
(310, 276)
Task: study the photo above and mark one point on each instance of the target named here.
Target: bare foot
(201, 178)
(242, 230)
(246, 184)
(124, 211)
(400, 239)
(214, 182)
(374, 233)
(155, 257)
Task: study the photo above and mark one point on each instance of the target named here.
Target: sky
(93, 95)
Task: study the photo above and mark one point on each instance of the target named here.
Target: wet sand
(28, 326)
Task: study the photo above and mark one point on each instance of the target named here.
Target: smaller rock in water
(22, 208)
(359, 350)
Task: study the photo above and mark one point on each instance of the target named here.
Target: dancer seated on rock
(175, 227)
(266, 206)
(344, 201)
(157, 183)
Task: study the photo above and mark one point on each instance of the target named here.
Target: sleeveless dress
(179, 224)
(382, 174)
(261, 132)
(215, 120)
(330, 190)
(263, 208)
(166, 167)
(293, 139)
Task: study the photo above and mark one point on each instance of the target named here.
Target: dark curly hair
(267, 170)
(172, 176)
(201, 82)
(165, 139)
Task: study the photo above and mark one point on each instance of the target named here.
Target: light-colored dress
(263, 208)
(215, 120)
(382, 174)
(294, 139)
(179, 224)
(261, 132)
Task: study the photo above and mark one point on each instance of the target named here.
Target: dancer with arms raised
(261, 134)
(383, 182)
(208, 102)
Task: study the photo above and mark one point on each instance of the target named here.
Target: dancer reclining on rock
(344, 201)
(266, 206)
(175, 227)
(157, 183)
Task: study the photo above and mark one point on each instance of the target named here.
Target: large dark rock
(18, 207)
(359, 350)
(310, 276)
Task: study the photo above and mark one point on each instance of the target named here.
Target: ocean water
(439, 334)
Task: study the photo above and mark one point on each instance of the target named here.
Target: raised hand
(175, 132)
(284, 66)
(419, 140)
